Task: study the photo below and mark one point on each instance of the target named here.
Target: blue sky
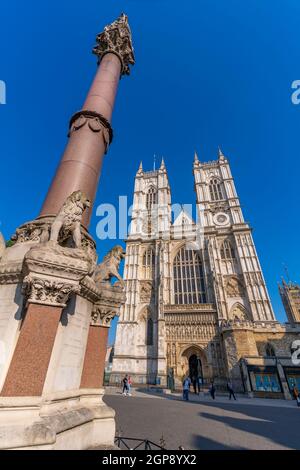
(207, 73)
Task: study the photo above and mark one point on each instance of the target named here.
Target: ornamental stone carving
(68, 219)
(95, 122)
(102, 316)
(48, 292)
(38, 231)
(109, 268)
(234, 287)
(53, 273)
(108, 306)
(146, 290)
(116, 39)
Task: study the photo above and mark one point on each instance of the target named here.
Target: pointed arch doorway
(195, 367)
(193, 363)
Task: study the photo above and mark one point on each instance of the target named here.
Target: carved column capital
(116, 39)
(45, 291)
(102, 316)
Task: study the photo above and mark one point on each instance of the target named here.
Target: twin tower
(186, 279)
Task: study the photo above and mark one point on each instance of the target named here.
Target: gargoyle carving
(109, 268)
(69, 217)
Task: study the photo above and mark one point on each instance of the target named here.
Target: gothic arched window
(151, 198)
(270, 350)
(227, 251)
(149, 332)
(149, 263)
(189, 287)
(215, 190)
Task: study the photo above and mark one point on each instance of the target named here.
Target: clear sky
(207, 73)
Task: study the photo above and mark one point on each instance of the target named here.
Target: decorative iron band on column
(116, 39)
(48, 292)
(96, 123)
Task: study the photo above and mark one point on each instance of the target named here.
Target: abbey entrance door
(195, 367)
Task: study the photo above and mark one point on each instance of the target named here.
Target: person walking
(129, 385)
(230, 390)
(212, 390)
(199, 384)
(195, 383)
(186, 388)
(125, 385)
(296, 394)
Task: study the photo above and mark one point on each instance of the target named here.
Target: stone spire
(140, 169)
(221, 155)
(162, 165)
(196, 160)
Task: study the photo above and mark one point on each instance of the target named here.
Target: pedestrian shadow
(204, 443)
(193, 399)
(269, 422)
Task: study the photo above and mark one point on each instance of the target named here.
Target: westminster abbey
(196, 299)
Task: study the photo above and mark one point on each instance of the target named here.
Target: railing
(130, 443)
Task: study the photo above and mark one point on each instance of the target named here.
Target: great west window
(189, 286)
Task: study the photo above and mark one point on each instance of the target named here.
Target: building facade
(196, 299)
(290, 295)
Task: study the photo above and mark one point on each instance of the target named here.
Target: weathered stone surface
(116, 39)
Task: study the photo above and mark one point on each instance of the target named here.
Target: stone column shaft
(28, 368)
(94, 360)
(90, 130)
(81, 163)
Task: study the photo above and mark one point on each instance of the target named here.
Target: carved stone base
(65, 421)
(54, 273)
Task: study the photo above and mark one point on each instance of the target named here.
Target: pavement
(206, 424)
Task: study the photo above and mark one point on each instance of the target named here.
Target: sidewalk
(204, 397)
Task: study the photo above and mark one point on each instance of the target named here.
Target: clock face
(221, 219)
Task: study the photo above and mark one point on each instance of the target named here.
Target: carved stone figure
(146, 288)
(238, 312)
(69, 218)
(234, 287)
(109, 268)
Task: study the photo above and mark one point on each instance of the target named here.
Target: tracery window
(189, 286)
(215, 189)
(227, 251)
(151, 198)
(149, 263)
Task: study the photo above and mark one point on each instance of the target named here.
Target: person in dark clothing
(125, 390)
(230, 390)
(212, 390)
(195, 384)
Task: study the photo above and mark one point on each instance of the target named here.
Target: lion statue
(109, 268)
(69, 217)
